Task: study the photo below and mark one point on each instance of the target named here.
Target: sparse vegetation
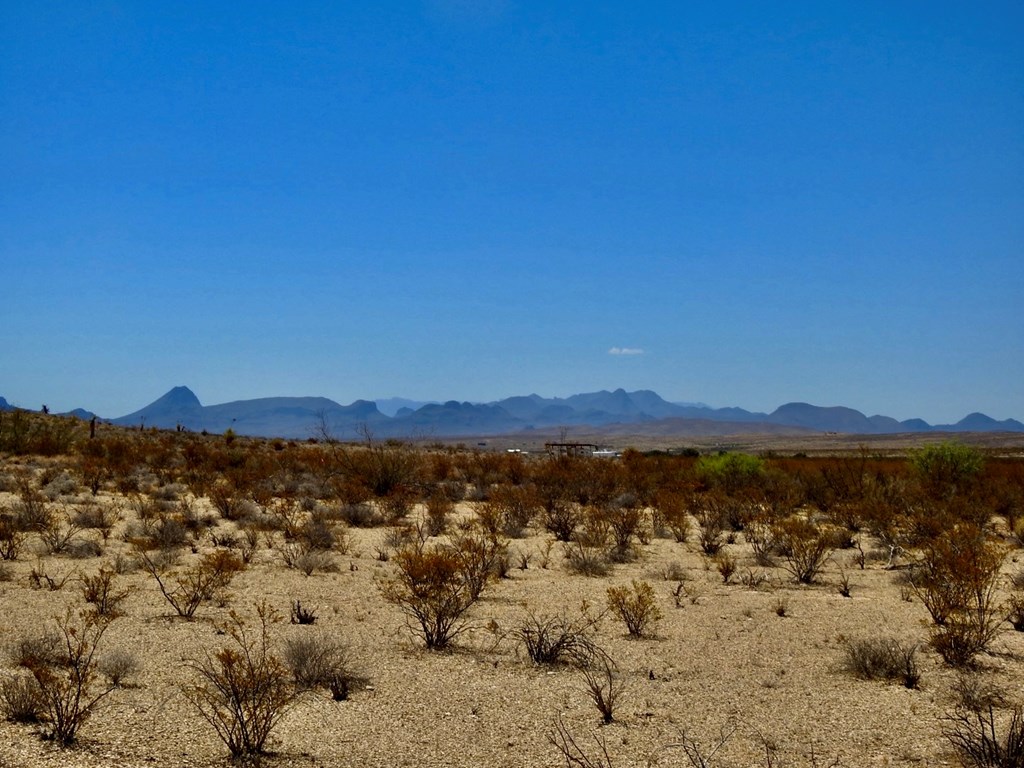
(882, 658)
(64, 667)
(431, 589)
(636, 606)
(556, 638)
(194, 521)
(242, 689)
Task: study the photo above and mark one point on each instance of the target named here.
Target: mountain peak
(179, 397)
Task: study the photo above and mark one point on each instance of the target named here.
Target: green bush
(729, 472)
(948, 468)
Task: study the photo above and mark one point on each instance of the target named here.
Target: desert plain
(749, 668)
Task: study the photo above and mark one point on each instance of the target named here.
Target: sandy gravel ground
(721, 659)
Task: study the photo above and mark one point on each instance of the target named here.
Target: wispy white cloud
(625, 351)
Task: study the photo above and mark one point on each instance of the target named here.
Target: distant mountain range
(619, 411)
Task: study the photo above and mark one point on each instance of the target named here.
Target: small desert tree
(947, 468)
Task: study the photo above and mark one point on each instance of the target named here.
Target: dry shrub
(482, 557)
(99, 591)
(360, 514)
(12, 537)
(586, 557)
(671, 511)
(98, 517)
(561, 517)
(39, 577)
(711, 524)
(319, 661)
(725, 564)
(976, 739)
(956, 579)
(64, 667)
(226, 501)
(21, 699)
(243, 690)
(1015, 613)
(758, 534)
(31, 512)
(882, 658)
(603, 685)
(557, 639)
(508, 510)
(306, 559)
(431, 589)
(118, 665)
(301, 615)
(636, 606)
(624, 517)
(160, 530)
(59, 533)
(439, 509)
(574, 754)
(805, 547)
(197, 584)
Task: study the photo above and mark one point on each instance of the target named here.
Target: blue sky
(445, 199)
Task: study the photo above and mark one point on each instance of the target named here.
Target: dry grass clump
(118, 665)
(882, 659)
(321, 661)
(21, 699)
(557, 639)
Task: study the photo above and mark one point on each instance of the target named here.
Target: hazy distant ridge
(301, 417)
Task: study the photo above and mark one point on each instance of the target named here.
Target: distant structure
(570, 449)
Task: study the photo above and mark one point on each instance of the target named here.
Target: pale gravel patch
(727, 658)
